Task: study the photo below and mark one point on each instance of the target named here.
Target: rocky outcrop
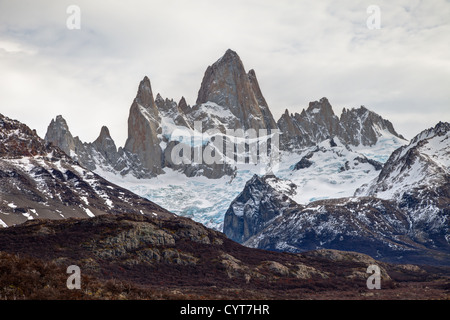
(226, 84)
(59, 134)
(144, 128)
(255, 206)
(360, 126)
(318, 122)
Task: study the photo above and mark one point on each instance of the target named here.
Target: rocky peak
(183, 106)
(58, 134)
(144, 95)
(318, 121)
(165, 106)
(360, 126)
(321, 106)
(105, 145)
(226, 84)
(18, 140)
(442, 128)
(159, 98)
(104, 134)
(413, 168)
(144, 128)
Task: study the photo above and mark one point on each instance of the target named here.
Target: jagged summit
(143, 129)
(144, 95)
(230, 56)
(104, 133)
(423, 163)
(357, 126)
(323, 105)
(226, 84)
(228, 98)
(59, 134)
(361, 126)
(40, 181)
(17, 140)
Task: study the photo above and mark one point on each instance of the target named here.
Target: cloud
(301, 51)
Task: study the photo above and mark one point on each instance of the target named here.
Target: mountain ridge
(228, 98)
(39, 180)
(408, 225)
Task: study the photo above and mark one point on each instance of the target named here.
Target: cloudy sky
(301, 51)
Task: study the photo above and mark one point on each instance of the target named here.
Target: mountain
(226, 84)
(330, 169)
(39, 181)
(143, 130)
(402, 215)
(56, 213)
(357, 126)
(417, 178)
(360, 126)
(172, 145)
(256, 206)
(229, 99)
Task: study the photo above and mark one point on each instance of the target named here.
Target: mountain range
(323, 157)
(401, 215)
(349, 183)
(56, 213)
(229, 99)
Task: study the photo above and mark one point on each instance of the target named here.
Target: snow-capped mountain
(417, 177)
(231, 99)
(38, 180)
(402, 213)
(357, 126)
(423, 163)
(256, 205)
(330, 169)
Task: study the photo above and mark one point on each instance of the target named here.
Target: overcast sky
(301, 51)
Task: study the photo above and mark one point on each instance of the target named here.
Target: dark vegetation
(199, 264)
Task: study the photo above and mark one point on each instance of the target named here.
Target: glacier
(206, 200)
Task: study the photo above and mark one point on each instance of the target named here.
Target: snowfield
(206, 200)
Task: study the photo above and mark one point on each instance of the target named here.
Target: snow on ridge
(206, 200)
(3, 224)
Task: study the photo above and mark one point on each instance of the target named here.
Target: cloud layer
(301, 51)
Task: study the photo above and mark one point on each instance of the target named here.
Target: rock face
(318, 122)
(105, 145)
(257, 204)
(226, 84)
(39, 181)
(59, 134)
(143, 129)
(361, 126)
